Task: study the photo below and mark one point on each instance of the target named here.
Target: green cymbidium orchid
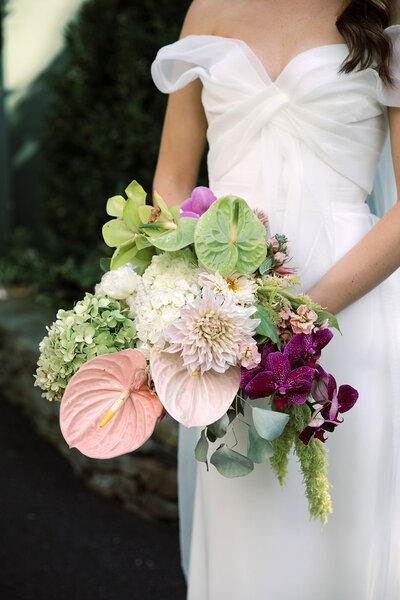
(138, 229)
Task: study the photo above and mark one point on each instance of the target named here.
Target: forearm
(363, 267)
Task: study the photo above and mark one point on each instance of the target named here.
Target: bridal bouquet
(198, 316)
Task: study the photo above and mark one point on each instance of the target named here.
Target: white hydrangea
(241, 287)
(119, 283)
(170, 283)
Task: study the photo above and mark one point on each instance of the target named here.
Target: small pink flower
(262, 216)
(324, 324)
(285, 313)
(249, 355)
(280, 256)
(303, 321)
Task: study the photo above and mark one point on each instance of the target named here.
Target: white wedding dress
(305, 149)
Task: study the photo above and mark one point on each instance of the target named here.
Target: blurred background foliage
(99, 127)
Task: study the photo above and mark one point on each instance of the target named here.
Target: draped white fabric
(305, 149)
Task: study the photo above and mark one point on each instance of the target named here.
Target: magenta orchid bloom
(200, 201)
(278, 380)
(325, 418)
(307, 347)
(247, 375)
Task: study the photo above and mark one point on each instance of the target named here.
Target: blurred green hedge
(102, 130)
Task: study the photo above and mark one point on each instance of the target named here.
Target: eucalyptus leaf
(175, 239)
(258, 449)
(123, 254)
(266, 327)
(269, 423)
(135, 192)
(228, 236)
(115, 232)
(115, 206)
(201, 449)
(230, 463)
(220, 427)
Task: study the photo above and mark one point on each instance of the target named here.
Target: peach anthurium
(192, 399)
(107, 408)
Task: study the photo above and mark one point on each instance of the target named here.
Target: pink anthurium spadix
(107, 408)
(192, 399)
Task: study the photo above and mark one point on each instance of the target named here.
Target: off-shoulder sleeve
(389, 95)
(181, 62)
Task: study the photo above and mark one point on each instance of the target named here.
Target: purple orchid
(200, 201)
(247, 374)
(307, 347)
(277, 379)
(333, 401)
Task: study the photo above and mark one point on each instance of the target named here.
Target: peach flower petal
(91, 393)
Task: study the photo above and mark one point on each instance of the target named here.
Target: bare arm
(374, 257)
(183, 137)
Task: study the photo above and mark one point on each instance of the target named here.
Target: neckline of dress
(258, 59)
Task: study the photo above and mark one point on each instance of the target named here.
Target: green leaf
(143, 241)
(162, 206)
(175, 239)
(201, 449)
(175, 211)
(266, 327)
(123, 254)
(230, 463)
(220, 427)
(115, 206)
(258, 449)
(105, 264)
(229, 235)
(135, 192)
(131, 215)
(324, 314)
(269, 423)
(115, 232)
(265, 265)
(141, 260)
(144, 212)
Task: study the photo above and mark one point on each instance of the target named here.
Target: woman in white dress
(301, 139)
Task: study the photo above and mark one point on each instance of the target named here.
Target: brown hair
(361, 24)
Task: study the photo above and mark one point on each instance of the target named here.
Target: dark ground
(59, 541)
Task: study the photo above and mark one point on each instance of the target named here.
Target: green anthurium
(162, 206)
(229, 235)
(135, 192)
(123, 254)
(131, 215)
(172, 239)
(115, 232)
(115, 206)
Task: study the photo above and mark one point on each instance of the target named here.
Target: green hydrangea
(95, 325)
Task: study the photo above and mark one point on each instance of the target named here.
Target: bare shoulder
(205, 16)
